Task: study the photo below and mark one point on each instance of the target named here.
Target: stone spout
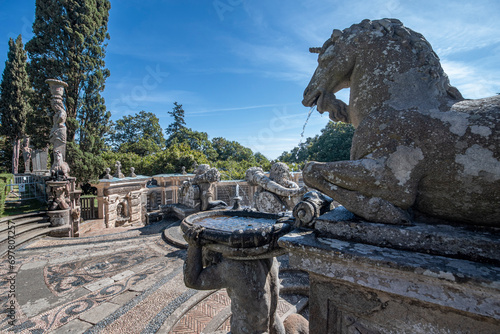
(256, 176)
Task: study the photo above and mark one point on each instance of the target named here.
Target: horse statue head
(419, 147)
(382, 62)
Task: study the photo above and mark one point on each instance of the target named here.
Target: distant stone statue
(118, 172)
(26, 154)
(60, 168)
(132, 172)
(108, 176)
(418, 144)
(206, 178)
(276, 193)
(199, 192)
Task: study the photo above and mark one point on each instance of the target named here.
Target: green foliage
(127, 160)
(231, 150)
(69, 44)
(84, 165)
(196, 140)
(5, 179)
(15, 97)
(174, 129)
(172, 159)
(333, 144)
(140, 133)
(5, 155)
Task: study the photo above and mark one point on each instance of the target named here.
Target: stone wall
(122, 202)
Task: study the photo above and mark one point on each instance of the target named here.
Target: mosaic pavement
(129, 282)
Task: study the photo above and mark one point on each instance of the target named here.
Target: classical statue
(276, 192)
(58, 131)
(60, 168)
(59, 198)
(27, 154)
(108, 176)
(202, 187)
(118, 172)
(252, 285)
(419, 147)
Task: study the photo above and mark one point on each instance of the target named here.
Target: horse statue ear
(336, 34)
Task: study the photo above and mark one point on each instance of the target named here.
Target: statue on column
(58, 131)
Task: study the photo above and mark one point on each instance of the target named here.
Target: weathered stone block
(355, 286)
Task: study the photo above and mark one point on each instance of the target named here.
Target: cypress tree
(175, 128)
(69, 45)
(14, 97)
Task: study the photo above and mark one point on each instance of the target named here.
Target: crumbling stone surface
(418, 144)
(277, 192)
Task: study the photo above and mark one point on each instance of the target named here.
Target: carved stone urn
(56, 87)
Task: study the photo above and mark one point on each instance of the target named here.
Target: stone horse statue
(419, 148)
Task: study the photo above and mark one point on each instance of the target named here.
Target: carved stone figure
(59, 197)
(132, 172)
(75, 214)
(276, 193)
(418, 144)
(201, 188)
(58, 131)
(60, 168)
(108, 176)
(122, 210)
(252, 285)
(26, 154)
(118, 173)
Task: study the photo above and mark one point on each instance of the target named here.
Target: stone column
(58, 131)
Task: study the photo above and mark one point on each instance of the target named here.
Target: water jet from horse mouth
(303, 130)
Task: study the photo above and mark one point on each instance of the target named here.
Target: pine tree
(69, 45)
(14, 97)
(175, 128)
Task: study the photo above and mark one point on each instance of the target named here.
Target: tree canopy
(140, 133)
(69, 44)
(175, 129)
(15, 93)
(333, 144)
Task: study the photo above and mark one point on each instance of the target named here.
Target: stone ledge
(460, 284)
(480, 245)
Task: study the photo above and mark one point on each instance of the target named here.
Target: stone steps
(20, 222)
(23, 228)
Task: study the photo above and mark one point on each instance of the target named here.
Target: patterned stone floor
(128, 282)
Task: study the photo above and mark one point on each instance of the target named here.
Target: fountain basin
(240, 234)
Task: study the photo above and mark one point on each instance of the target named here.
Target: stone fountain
(196, 194)
(237, 250)
(415, 246)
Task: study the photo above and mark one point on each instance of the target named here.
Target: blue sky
(239, 67)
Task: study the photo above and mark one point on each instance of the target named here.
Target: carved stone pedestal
(59, 217)
(62, 220)
(370, 283)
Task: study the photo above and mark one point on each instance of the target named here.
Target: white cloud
(473, 81)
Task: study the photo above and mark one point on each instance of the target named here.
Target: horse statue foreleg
(338, 180)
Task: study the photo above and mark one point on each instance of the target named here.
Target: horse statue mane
(419, 149)
(393, 32)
